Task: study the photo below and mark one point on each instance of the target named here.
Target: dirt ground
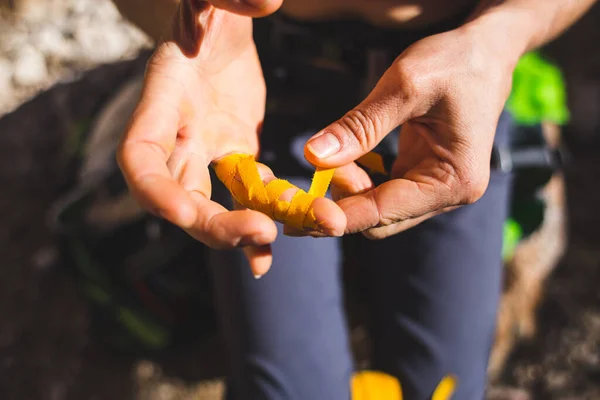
(46, 347)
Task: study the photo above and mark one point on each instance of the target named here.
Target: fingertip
(268, 235)
(329, 149)
(243, 228)
(260, 259)
(264, 228)
(329, 217)
(312, 158)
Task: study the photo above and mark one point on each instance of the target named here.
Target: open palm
(204, 98)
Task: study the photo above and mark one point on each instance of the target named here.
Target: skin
(204, 98)
(153, 17)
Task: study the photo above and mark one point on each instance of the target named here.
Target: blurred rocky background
(44, 42)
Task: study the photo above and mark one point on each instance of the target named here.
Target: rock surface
(29, 67)
(54, 40)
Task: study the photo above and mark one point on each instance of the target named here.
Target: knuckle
(125, 156)
(208, 241)
(453, 185)
(356, 187)
(443, 184)
(474, 184)
(410, 82)
(384, 217)
(362, 126)
(211, 236)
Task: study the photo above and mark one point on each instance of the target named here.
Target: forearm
(154, 17)
(517, 26)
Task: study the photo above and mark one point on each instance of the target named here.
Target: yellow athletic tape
(374, 162)
(445, 389)
(239, 173)
(375, 385)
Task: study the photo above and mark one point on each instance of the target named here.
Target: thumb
(388, 106)
(249, 8)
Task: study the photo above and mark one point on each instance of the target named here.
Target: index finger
(142, 157)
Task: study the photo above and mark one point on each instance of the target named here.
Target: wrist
(505, 32)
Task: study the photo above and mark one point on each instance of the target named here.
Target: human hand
(203, 98)
(251, 8)
(447, 91)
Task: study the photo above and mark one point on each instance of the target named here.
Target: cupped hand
(447, 92)
(203, 98)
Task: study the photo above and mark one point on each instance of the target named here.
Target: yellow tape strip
(445, 388)
(374, 162)
(375, 385)
(239, 173)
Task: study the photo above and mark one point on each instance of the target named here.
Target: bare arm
(151, 16)
(517, 26)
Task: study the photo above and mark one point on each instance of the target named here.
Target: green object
(538, 92)
(512, 236)
(97, 294)
(143, 328)
(538, 95)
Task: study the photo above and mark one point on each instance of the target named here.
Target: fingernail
(257, 276)
(324, 145)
